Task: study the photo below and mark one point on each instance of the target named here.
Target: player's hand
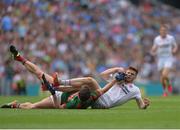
(120, 76)
(174, 51)
(146, 101)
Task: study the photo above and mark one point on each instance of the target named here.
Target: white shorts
(58, 95)
(165, 63)
(101, 102)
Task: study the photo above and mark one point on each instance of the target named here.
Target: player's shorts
(166, 62)
(101, 102)
(58, 95)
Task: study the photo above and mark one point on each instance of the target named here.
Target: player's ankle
(20, 59)
(56, 80)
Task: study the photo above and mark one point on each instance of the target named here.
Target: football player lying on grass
(81, 99)
(67, 100)
(119, 94)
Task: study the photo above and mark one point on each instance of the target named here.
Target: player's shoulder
(170, 36)
(157, 37)
(135, 87)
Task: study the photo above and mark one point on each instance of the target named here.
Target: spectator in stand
(84, 35)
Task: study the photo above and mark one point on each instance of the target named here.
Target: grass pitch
(163, 113)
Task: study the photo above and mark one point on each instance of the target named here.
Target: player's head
(131, 74)
(163, 30)
(84, 93)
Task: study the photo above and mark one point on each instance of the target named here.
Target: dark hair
(133, 68)
(84, 93)
(164, 26)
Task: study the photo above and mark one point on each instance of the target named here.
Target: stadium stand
(82, 37)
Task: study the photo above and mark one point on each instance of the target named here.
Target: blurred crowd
(82, 37)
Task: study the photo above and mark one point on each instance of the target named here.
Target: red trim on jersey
(73, 95)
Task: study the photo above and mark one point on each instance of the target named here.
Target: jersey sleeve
(155, 42)
(138, 94)
(173, 41)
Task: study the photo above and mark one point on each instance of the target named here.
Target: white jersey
(118, 95)
(164, 46)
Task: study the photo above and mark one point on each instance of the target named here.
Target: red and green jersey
(72, 101)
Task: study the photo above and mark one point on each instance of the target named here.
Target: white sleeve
(138, 94)
(173, 41)
(155, 42)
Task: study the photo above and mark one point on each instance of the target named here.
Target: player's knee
(164, 75)
(89, 80)
(39, 74)
(32, 106)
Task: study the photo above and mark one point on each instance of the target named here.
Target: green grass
(163, 113)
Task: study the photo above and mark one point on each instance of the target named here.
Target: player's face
(130, 75)
(163, 32)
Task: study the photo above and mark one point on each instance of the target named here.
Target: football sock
(15, 105)
(20, 59)
(65, 82)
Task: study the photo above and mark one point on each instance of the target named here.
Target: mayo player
(164, 47)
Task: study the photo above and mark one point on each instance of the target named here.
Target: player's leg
(161, 66)
(165, 77)
(26, 105)
(13, 104)
(31, 67)
(168, 65)
(52, 91)
(163, 82)
(45, 103)
(78, 82)
(49, 101)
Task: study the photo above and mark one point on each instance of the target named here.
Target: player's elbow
(152, 52)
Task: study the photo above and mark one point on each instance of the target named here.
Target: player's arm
(109, 72)
(68, 105)
(63, 106)
(107, 87)
(143, 103)
(154, 49)
(175, 46)
(100, 92)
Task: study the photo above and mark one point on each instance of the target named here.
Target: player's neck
(128, 82)
(164, 36)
